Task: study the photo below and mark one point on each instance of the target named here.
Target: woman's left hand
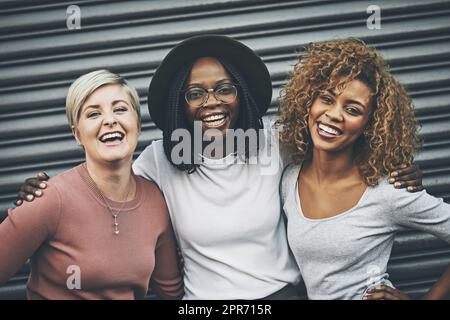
(384, 292)
(407, 177)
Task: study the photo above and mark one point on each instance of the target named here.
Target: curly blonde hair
(391, 134)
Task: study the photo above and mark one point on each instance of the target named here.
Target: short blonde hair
(85, 85)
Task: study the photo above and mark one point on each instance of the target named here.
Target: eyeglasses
(197, 96)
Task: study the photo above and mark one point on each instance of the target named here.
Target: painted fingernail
(391, 180)
(410, 188)
(30, 197)
(42, 185)
(394, 174)
(38, 192)
(397, 184)
(18, 202)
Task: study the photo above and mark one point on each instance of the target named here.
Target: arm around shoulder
(146, 164)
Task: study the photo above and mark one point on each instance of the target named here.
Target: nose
(334, 113)
(211, 99)
(109, 119)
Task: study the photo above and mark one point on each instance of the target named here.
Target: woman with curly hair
(225, 212)
(347, 122)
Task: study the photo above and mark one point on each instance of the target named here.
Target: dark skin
(332, 170)
(211, 70)
(439, 291)
(330, 182)
(384, 292)
(405, 177)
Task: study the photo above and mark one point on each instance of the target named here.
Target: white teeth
(328, 129)
(216, 123)
(111, 136)
(214, 117)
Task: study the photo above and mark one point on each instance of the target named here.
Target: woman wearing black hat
(225, 213)
(231, 234)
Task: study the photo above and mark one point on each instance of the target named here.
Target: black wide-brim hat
(247, 62)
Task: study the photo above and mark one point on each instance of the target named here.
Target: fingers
(408, 177)
(385, 293)
(406, 170)
(415, 189)
(43, 176)
(400, 170)
(35, 183)
(32, 188)
(409, 183)
(413, 179)
(380, 295)
(22, 196)
(18, 202)
(28, 192)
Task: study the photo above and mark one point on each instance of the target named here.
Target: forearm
(441, 289)
(21, 234)
(12, 254)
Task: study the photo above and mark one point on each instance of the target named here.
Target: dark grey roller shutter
(40, 57)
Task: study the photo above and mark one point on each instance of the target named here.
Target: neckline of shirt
(339, 215)
(93, 190)
(221, 162)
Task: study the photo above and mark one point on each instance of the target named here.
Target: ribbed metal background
(40, 57)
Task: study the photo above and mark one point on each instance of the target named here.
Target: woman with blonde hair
(102, 232)
(225, 208)
(347, 122)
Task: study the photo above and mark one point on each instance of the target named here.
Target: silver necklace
(115, 215)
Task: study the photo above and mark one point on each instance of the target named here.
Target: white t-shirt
(228, 222)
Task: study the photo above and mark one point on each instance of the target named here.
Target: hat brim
(247, 62)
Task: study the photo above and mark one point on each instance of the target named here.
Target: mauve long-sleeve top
(68, 234)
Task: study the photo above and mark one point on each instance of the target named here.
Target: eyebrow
(91, 106)
(349, 100)
(217, 83)
(96, 106)
(120, 100)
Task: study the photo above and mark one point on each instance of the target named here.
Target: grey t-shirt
(340, 256)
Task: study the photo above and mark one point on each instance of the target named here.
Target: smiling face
(107, 126)
(337, 119)
(209, 73)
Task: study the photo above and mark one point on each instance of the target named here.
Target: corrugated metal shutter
(40, 57)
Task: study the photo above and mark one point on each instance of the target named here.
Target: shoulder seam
(59, 209)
